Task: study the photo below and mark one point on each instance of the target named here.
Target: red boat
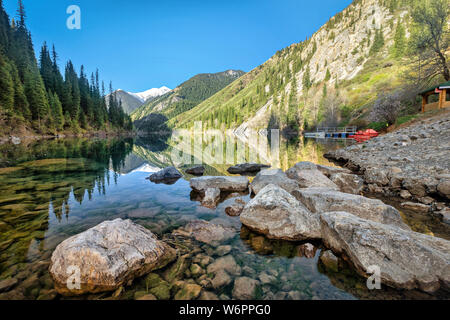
(362, 136)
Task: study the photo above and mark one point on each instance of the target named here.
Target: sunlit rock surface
(107, 256)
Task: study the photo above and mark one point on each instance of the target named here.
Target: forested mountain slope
(187, 95)
(36, 98)
(332, 78)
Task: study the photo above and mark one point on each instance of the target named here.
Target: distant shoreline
(36, 137)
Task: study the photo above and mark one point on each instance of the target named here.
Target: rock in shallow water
(406, 259)
(108, 256)
(277, 214)
(196, 171)
(236, 208)
(247, 168)
(244, 288)
(168, 175)
(206, 232)
(228, 184)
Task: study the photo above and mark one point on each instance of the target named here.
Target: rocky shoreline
(411, 163)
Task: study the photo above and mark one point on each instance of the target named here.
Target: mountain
(129, 102)
(132, 101)
(150, 94)
(331, 78)
(187, 95)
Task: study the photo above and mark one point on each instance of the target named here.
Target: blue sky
(140, 44)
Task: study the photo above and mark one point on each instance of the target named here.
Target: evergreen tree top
(21, 13)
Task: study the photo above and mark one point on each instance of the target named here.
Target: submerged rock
(236, 208)
(167, 175)
(206, 232)
(196, 171)
(228, 184)
(244, 288)
(329, 260)
(273, 176)
(188, 291)
(321, 200)
(307, 175)
(306, 250)
(227, 264)
(107, 256)
(277, 214)
(247, 168)
(407, 259)
(221, 279)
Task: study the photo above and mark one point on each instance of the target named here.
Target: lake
(53, 189)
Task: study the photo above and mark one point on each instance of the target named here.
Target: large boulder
(277, 214)
(273, 176)
(406, 259)
(349, 183)
(167, 175)
(107, 256)
(307, 175)
(319, 200)
(247, 168)
(206, 232)
(228, 184)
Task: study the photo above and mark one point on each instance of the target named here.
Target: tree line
(35, 94)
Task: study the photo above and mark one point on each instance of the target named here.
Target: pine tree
(6, 88)
(4, 30)
(399, 40)
(378, 42)
(307, 83)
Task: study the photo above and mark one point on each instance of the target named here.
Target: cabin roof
(445, 85)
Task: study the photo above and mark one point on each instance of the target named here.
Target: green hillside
(332, 78)
(187, 95)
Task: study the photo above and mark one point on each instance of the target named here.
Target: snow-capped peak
(151, 93)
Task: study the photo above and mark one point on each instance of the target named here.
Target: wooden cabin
(443, 102)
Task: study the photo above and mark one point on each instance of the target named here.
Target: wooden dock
(332, 132)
